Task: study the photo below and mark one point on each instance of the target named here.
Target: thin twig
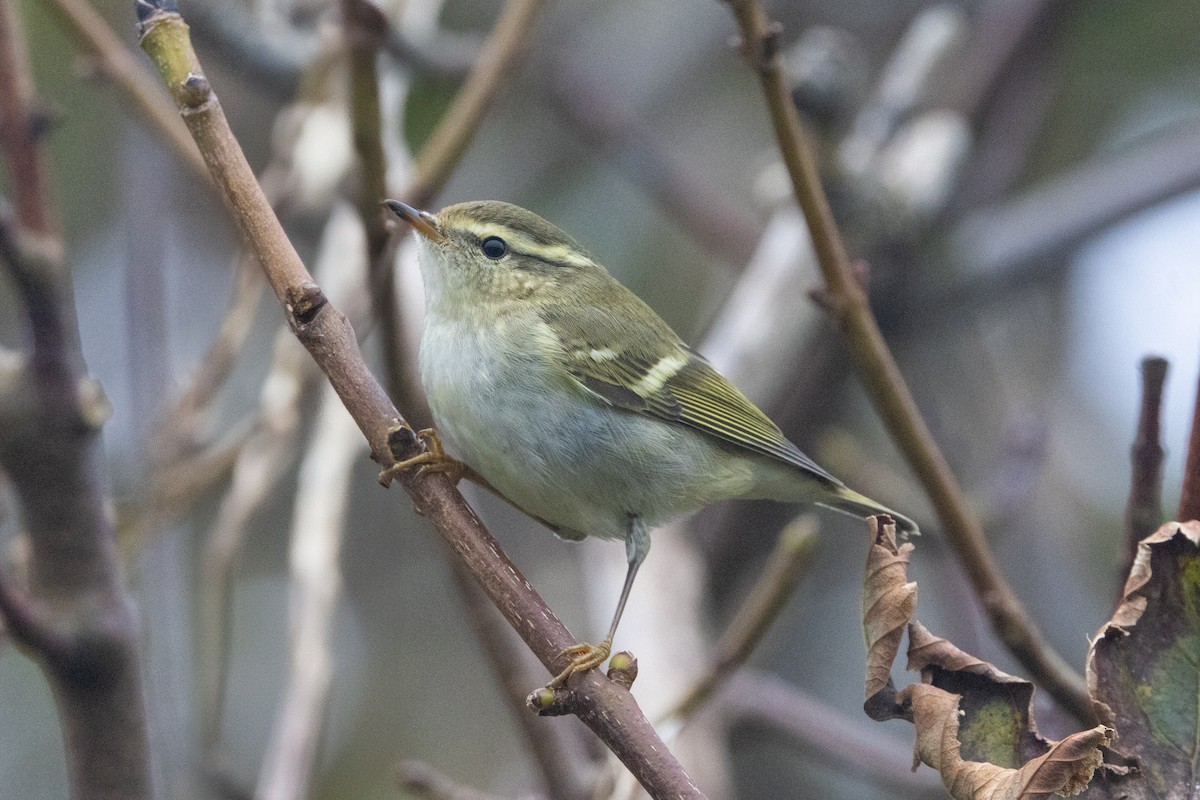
(1144, 513)
(607, 708)
(91, 34)
(177, 431)
(847, 302)
(501, 57)
(1189, 496)
(788, 564)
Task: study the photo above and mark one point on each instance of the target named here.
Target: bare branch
(1144, 513)
(259, 465)
(847, 302)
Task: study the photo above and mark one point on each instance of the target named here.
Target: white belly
(556, 451)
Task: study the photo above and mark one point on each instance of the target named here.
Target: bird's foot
(584, 656)
(434, 459)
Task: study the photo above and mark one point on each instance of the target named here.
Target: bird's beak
(422, 222)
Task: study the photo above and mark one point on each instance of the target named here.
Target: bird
(577, 402)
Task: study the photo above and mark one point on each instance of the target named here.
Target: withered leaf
(1064, 769)
(996, 724)
(888, 602)
(1143, 667)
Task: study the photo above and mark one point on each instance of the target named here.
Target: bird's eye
(494, 247)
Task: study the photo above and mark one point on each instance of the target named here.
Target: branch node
(549, 702)
(94, 408)
(42, 119)
(768, 46)
(623, 669)
(195, 93)
(146, 9)
(304, 302)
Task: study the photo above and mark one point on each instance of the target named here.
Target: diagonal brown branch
(847, 302)
(608, 709)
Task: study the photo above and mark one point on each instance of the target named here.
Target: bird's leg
(434, 459)
(585, 656)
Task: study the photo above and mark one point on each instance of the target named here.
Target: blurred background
(1020, 176)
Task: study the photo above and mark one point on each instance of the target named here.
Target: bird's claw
(584, 656)
(434, 459)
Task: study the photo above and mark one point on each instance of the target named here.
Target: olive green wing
(659, 376)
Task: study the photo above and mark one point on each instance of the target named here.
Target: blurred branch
(22, 123)
(318, 525)
(92, 35)
(275, 61)
(1003, 247)
(607, 708)
(502, 55)
(1001, 31)
(1144, 513)
(851, 748)
(1189, 497)
(847, 302)
(426, 782)
(565, 769)
(177, 432)
(86, 638)
(449, 55)
(363, 29)
(787, 566)
(610, 126)
(278, 62)
(268, 452)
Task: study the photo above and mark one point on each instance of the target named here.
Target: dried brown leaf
(1143, 668)
(888, 602)
(1065, 768)
(996, 723)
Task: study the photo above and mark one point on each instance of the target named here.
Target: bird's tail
(851, 502)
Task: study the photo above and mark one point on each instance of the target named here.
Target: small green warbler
(576, 402)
